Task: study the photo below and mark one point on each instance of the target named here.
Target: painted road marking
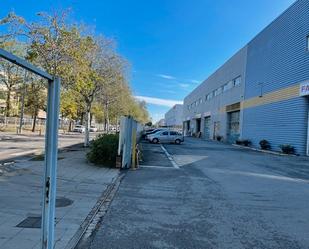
(175, 165)
(157, 167)
(24, 152)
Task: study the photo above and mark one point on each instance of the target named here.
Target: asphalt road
(15, 146)
(220, 197)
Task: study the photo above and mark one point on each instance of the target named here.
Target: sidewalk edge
(106, 197)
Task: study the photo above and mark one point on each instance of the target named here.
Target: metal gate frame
(51, 148)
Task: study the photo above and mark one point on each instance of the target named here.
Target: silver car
(166, 137)
(79, 128)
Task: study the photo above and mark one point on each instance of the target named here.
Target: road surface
(14, 146)
(221, 197)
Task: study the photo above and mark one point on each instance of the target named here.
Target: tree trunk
(34, 122)
(82, 119)
(22, 107)
(87, 125)
(106, 119)
(70, 126)
(8, 103)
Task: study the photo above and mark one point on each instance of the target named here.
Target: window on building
(307, 42)
(209, 96)
(218, 91)
(230, 84)
(237, 81)
(225, 87)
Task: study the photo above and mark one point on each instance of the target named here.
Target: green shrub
(103, 150)
(287, 148)
(264, 144)
(244, 142)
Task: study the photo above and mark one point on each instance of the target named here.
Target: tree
(35, 99)
(90, 68)
(97, 112)
(10, 74)
(69, 106)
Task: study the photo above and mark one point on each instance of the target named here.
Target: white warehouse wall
(174, 116)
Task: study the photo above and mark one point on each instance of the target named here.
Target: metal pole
(134, 126)
(51, 155)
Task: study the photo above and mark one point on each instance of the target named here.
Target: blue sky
(172, 45)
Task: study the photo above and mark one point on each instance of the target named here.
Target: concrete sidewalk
(79, 185)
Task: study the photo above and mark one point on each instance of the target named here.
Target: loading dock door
(207, 127)
(233, 130)
(198, 125)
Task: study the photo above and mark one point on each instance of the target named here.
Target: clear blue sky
(172, 45)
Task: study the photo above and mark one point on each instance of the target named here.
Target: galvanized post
(134, 127)
(51, 155)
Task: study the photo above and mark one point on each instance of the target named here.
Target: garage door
(207, 128)
(233, 130)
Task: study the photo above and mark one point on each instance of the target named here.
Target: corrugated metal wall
(279, 123)
(233, 68)
(277, 59)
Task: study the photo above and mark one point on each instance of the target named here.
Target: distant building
(173, 118)
(262, 92)
(161, 123)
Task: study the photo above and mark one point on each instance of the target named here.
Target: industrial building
(173, 118)
(262, 92)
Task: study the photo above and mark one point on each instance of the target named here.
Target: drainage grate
(30, 222)
(63, 202)
(33, 222)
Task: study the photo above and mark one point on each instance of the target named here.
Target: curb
(95, 215)
(263, 151)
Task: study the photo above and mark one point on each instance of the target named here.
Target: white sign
(304, 89)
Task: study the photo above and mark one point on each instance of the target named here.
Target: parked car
(146, 132)
(166, 136)
(93, 129)
(79, 128)
(153, 132)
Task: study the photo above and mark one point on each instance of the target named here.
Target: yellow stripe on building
(272, 97)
